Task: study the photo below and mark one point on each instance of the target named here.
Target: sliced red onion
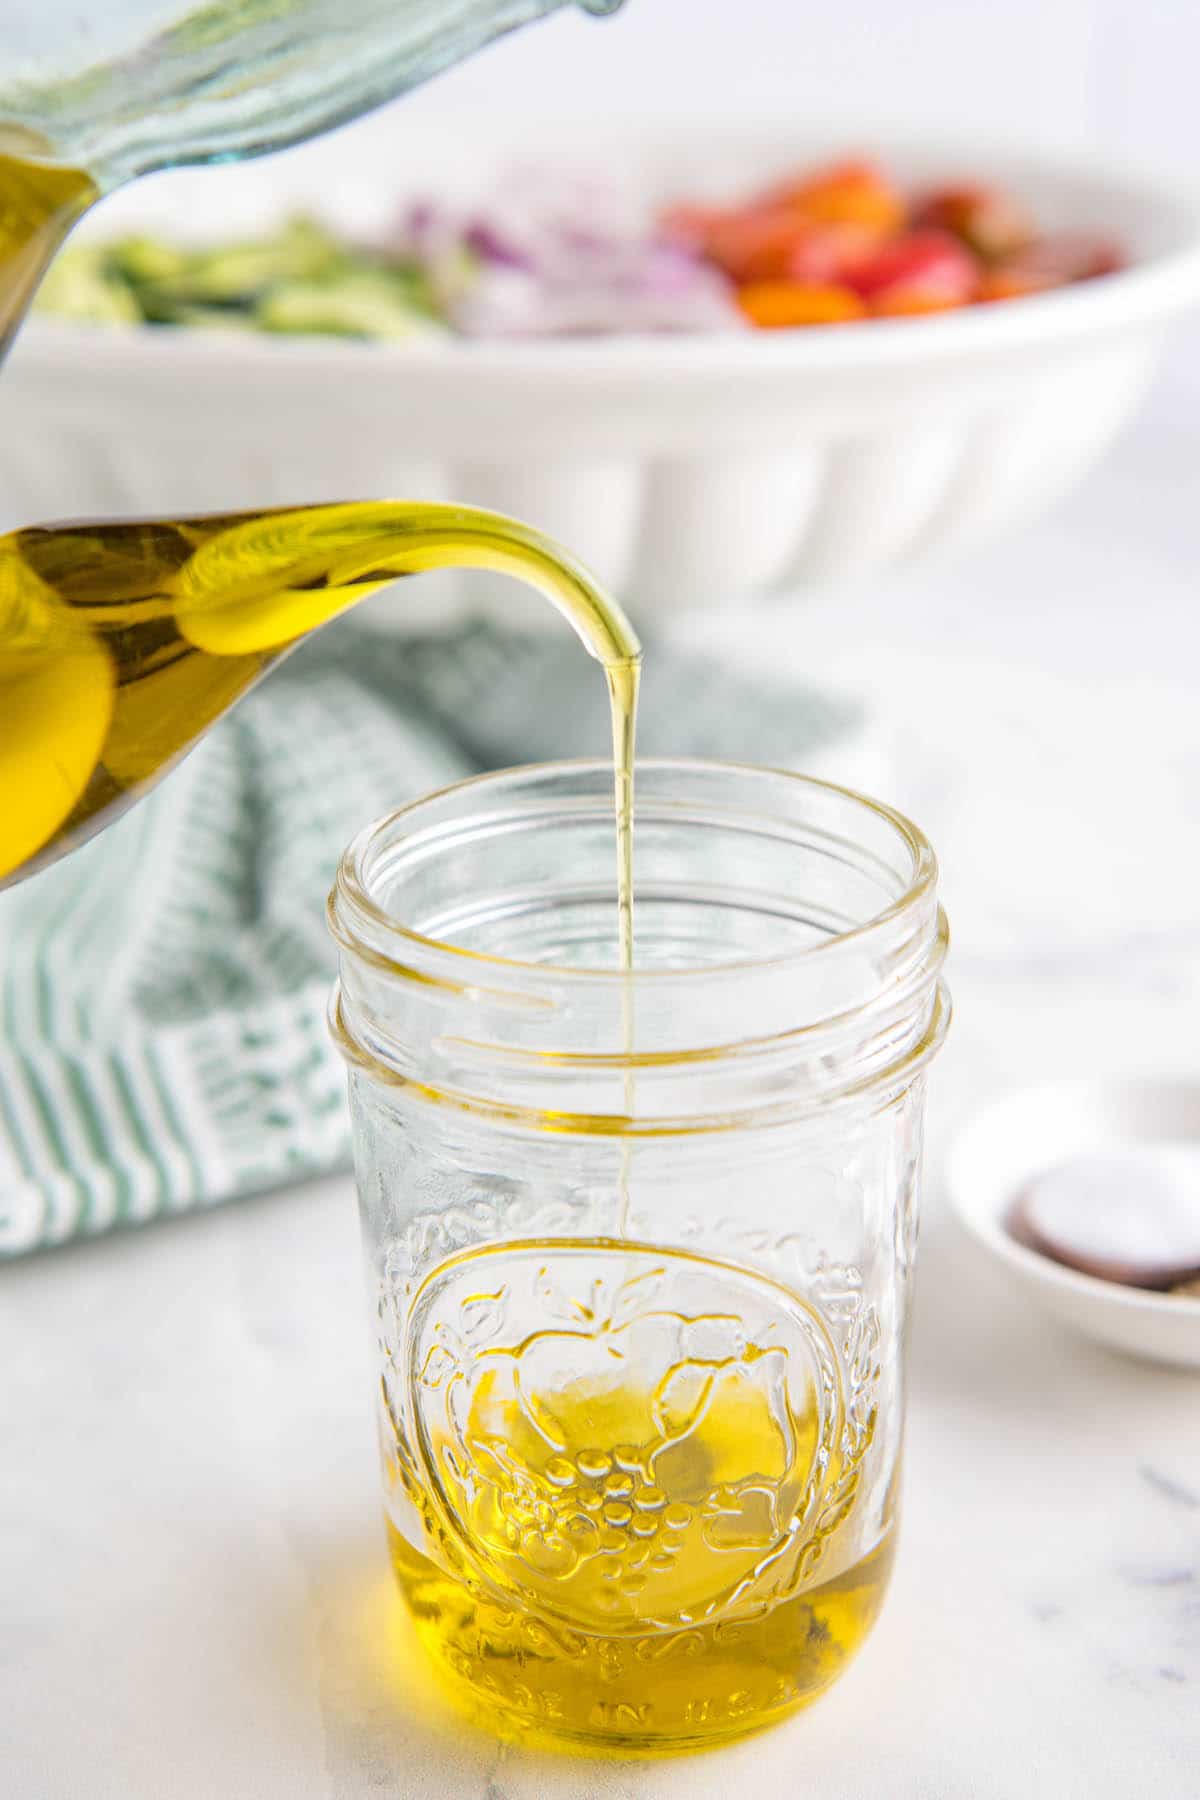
(552, 256)
(494, 246)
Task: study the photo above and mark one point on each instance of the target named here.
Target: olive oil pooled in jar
(661, 1691)
(629, 1530)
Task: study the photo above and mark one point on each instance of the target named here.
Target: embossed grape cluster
(596, 1504)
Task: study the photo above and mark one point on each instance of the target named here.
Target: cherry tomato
(854, 192)
(931, 264)
(829, 253)
(777, 304)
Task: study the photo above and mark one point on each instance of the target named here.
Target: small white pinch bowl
(1000, 1150)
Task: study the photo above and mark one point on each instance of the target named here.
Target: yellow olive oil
(601, 1540)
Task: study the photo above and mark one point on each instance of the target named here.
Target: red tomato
(930, 264)
(831, 252)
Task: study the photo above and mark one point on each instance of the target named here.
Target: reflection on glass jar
(639, 1250)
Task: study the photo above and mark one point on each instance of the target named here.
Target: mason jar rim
(712, 1043)
(350, 892)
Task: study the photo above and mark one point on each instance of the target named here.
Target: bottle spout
(39, 204)
(122, 643)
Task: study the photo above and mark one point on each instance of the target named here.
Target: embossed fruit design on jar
(627, 1440)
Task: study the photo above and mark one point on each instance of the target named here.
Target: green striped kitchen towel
(162, 991)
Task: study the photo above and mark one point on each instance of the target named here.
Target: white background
(1111, 76)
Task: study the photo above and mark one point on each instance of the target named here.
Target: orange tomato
(854, 192)
(778, 305)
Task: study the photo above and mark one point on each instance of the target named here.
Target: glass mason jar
(638, 1249)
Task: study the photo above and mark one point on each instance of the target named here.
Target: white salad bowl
(686, 470)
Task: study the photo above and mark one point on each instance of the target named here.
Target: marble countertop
(195, 1598)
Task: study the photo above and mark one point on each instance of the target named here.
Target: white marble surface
(194, 1600)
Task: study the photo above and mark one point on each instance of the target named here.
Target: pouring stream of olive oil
(120, 644)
